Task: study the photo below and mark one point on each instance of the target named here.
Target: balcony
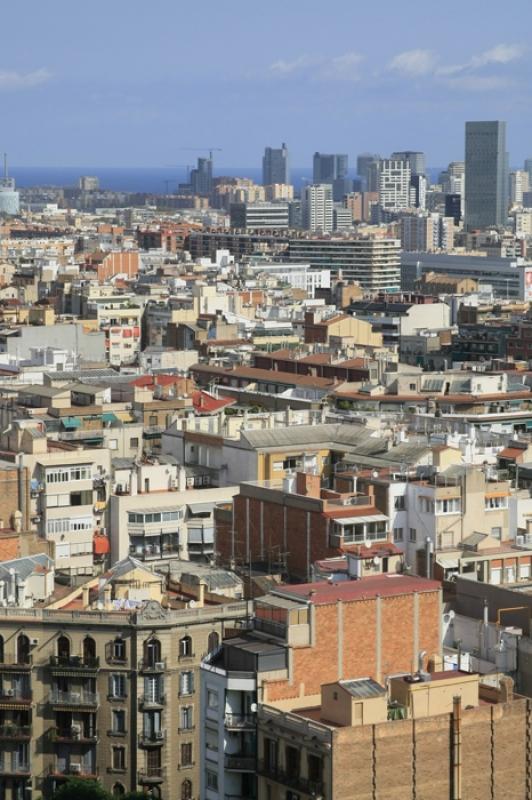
(16, 666)
(150, 665)
(240, 762)
(74, 664)
(75, 769)
(147, 701)
(79, 700)
(11, 731)
(292, 779)
(15, 697)
(73, 735)
(270, 626)
(240, 722)
(151, 775)
(14, 767)
(153, 739)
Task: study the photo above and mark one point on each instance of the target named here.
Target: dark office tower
(332, 168)
(368, 172)
(201, 177)
(486, 175)
(453, 207)
(275, 166)
(414, 159)
(528, 168)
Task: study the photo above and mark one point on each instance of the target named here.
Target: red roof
(323, 593)
(205, 403)
(155, 380)
(511, 452)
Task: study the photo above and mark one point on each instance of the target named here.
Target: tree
(76, 789)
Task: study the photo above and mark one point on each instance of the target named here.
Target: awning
(447, 563)
(357, 520)
(71, 422)
(200, 508)
(109, 416)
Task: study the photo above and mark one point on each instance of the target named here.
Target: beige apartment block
(109, 695)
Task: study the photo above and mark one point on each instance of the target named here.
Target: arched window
(152, 652)
(214, 642)
(186, 790)
(185, 646)
(89, 650)
(23, 649)
(118, 790)
(118, 649)
(63, 648)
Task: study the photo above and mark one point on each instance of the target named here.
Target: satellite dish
(253, 708)
(376, 561)
(192, 604)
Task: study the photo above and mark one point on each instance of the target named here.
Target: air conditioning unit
(75, 767)
(520, 540)
(75, 697)
(159, 734)
(159, 665)
(76, 730)
(34, 642)
(9, 692)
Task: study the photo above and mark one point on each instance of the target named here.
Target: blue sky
(119, 83)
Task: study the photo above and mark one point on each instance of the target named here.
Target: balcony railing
(292, 779)
(147, 701)
(17, 666)
(151, 775)
(14, 767)
(13, 731)
(73, 734)
(75, 769)
(151, 665)
(152, 739)
(81, 699)
(75, 662)
(240, 762)
(270, 626)
(16, 696)
(240, 721)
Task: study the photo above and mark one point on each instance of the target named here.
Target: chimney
(85, 596)
(308, 485)
(201, 594)
(107, 597)
(181, 478)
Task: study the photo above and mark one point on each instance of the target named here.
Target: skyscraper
(366, 170)
(201, 177)
(486, 174)
(414, 159)
(317, 207)
(528, 168)
(332, 168)
(275, 166)
(394, 185)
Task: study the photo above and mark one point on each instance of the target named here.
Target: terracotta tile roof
(323, 593)
(205, 403)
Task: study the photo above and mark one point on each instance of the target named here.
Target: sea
(156, 180)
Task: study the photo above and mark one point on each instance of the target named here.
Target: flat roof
(323, 593)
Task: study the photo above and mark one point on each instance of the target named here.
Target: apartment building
(156, 526)
(304, 636)
(418, 739)
(110, 695)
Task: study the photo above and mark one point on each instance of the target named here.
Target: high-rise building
(427, 232)
(452, 179)
(394, 185)
(327, 167)
(528, 168)
(275, 165)
(317, 207)
(89, 183)
(415, 160)
(486, 174)
(453, 207)
(201, 177)
(519, 183)
(259, 216)
(9, 197)
(366, 171)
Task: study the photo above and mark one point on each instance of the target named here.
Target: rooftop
(322, 593)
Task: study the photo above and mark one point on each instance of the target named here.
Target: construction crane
(210, 150)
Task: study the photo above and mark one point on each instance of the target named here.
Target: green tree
(76, 789)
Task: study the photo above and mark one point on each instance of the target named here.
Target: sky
(125, 83)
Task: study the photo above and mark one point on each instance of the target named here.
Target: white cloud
(500, 54)
(12, 80)
(414, 63)
(282, 67)
(343, 67)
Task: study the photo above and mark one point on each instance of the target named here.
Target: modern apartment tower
(9, 197)
(317, 207)
(415, 160)
(275, 165)
(332, 168)
(201, 177)
(367, 172)
(486, 174)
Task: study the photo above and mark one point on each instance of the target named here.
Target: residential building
(427, 232)
(519, 183)
(317, 208)
(275, 168)
(257, 216)
(394, 185)
(486, 175)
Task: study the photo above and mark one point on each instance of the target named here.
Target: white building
(298, 276)
(394, 185)
(519, 183)
(317, 208)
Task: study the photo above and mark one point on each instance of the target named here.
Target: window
(212, 698)
(292, 463)
(186, 683)
(398, 534)
(496, 532)
(186, 790)
(399, 503)
(450, 505)
(426, 505)
(495, 503)
(185, 718)
(82, 472)
(186, 754)
(413, 535)
(211, 780)
(117, 685)
(118, 650)
(185, 647)
(119, 758)
(412, 387)
(118, 720)
(134, 441)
